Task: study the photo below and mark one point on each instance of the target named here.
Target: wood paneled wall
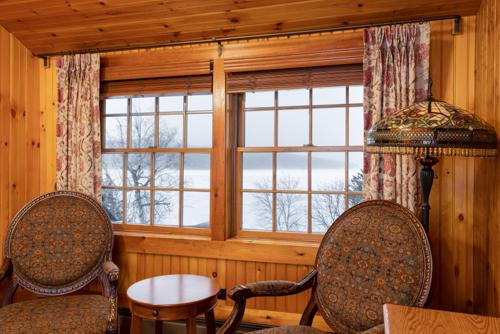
(27, 128)
(487, 178)
(459, 231)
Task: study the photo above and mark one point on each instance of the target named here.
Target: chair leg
(191, 326)
(210, 322)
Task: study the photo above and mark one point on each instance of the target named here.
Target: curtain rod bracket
(457, 26)
(46, 62)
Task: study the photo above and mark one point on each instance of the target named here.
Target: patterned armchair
(57, 244)
(375, 253)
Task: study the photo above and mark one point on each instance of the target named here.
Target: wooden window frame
(123, 225)
(309, 149)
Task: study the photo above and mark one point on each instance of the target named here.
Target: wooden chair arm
(272, 288)
(265, 288)
(111, 270)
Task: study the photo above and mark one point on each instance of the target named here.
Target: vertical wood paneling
(27, 128)
(487, 181)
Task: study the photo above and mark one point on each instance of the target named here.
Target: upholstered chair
(375, 253)
(56, 245)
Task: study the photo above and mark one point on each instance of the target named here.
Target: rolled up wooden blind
(185, 84)
(295, 78)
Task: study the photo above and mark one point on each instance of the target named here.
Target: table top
(173, 290)
(408, 320)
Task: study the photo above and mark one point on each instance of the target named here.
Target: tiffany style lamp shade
(429, 129)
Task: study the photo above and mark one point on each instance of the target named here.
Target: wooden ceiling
(46, 26)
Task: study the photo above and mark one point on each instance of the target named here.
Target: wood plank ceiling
(60, 25)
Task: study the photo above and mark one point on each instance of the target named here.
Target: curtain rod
(456, 29)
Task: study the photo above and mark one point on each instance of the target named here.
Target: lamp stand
(426, 178)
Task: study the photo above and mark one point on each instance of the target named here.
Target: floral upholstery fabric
(375, 253)
(58, 240)
(396, 74)
(82, 314)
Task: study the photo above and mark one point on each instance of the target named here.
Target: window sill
(239, 249)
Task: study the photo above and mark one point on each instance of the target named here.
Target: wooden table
(408, 320)
(173, 297)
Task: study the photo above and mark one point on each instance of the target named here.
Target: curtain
(395, 75)
(78, 131)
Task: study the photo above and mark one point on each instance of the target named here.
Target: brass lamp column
(429, 129)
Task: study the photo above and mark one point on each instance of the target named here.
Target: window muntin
(156, 160)
(301, 159)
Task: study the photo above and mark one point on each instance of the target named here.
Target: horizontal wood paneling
(81, 24)
(27, 128)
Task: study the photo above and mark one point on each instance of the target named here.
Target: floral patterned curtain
(78, 124)
(396, 74)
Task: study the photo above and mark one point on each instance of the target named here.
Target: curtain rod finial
(457, 26)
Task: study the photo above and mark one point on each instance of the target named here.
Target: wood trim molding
(269, 251)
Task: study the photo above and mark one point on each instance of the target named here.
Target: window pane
(328, 171)
(293, 127)
(197, 171)
(143, 104)
(258, 171)
(112, 203)
(199, 130)
(115, 132)
(259, 128)
(199, 102)
(293, 97)
(356, 125)
(257, 211)
(138, 169)
(329, 127)
(291, 212)
(196, 209)
(356, 171)
(166, 208)
(167, 170)
(291, 171)
(354, 200)
(325, 208)
(170, 131)
(116, 106)
(355, 94)
(171, 103)
(259, 99)
(138, 207)
(330, 95)
(112, 169)
(143, 131)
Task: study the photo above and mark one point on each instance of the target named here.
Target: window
(299, 158)
(156, 160)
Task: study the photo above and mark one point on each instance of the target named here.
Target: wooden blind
(295, 78)
(185, 84)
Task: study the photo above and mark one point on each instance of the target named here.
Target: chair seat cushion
(85, 314)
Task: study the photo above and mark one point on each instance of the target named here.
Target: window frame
(180, 229)
(240, 149)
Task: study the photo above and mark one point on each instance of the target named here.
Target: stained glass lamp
(430, 129)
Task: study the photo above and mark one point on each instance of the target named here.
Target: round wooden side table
(173, 297)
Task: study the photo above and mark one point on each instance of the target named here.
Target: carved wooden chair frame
(106, 272)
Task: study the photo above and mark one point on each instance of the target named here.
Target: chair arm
(264, 288)
(111, 270)
(4, 269)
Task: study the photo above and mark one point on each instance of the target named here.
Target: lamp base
(426, 179)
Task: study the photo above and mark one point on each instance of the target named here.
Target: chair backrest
(57, 243)
(375, 253)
